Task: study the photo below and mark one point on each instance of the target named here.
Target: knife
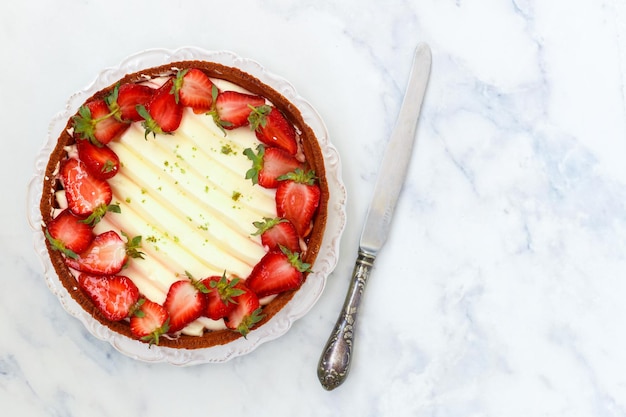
(334, 363)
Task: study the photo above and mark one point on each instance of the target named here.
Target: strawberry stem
(153, 338)
(58, 245)
(294, 259)
(199, 285)
(257, 163)
(97, 215)
(249, 321)
(300, 176)
(178, 84)
(266, 224)
(136, 309)
(226, 289)
(132, 246)
(258, 116)
(149, 124)
(112, 103)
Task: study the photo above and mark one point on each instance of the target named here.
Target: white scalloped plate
(302, 301)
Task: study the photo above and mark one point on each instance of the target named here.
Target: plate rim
(302, 301)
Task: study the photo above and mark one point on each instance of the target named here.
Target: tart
(186, 208)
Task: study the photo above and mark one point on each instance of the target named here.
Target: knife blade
(335, 360)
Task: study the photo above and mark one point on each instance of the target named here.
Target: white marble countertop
(501, 290)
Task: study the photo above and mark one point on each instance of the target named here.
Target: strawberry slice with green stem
(96, 122)
(220, 298)
(277, 232)
(233, 108)
(87, 197)
(107, 254)
(297, 199)
(185, 302)
(149, 321)
(268, 164)
(272, 128)
(193, 88)
(69, 234)
(162, 114)
(101, 161)
(125, 98)
(114, 296)
(246, 313)
(278, 271)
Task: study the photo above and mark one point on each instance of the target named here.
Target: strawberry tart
(183, 205)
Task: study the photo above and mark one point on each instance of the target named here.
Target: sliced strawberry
(277, 232)
(247, 312)
(276, 272)
(114, 296)
(297, 198)
(233, 108)
(220, 300)
(268, 164)
(193, 88)
(68, 234)
(149, 321)
(96, 123)
(162, 114)
(87, 196)
(185, 302)
(106, 255)
(271, 128)
(124, 99)
(101, 161)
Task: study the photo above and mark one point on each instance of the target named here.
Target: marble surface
(501, 290)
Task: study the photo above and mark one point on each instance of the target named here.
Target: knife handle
(334, 363)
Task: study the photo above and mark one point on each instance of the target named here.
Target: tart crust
(314, 160)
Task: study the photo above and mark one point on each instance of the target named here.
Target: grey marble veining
(501, 289)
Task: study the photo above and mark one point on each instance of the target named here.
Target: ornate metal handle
(335, 361)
